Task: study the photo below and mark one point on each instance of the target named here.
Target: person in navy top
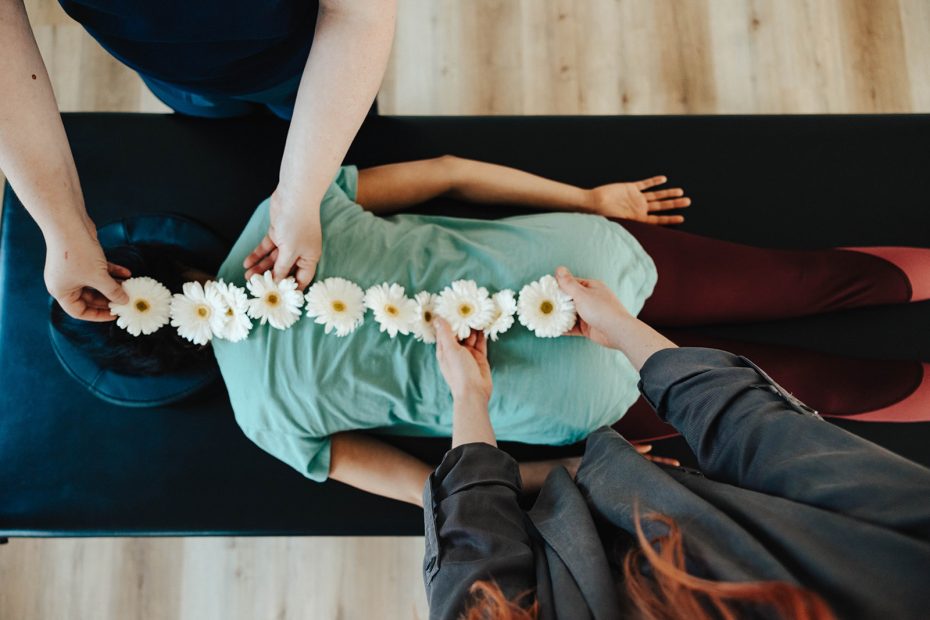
(317, 64)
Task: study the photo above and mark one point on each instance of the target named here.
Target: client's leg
(704, 281)
(836, 386)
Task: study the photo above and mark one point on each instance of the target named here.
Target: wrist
(470, 402)
(589, 201)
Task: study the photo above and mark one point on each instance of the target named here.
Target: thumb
(567, 282)
(444, 333)
(111, 289)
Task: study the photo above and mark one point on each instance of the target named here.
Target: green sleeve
(347, 180)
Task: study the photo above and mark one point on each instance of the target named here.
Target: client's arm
(377, 467)
(393, 187)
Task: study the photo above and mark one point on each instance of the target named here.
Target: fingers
(667, 205)
(78, 308)
(651, 182)
(664, 220)
(261, 251)
(646, 448)
(444, 335)
(665, 193)
(263, 265)
(118, 271)
(111, 289)
(93, 299)
(283, 265)
(568, 283)
(306, 269)
(481, 343)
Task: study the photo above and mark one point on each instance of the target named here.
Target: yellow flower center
(391, 309)
(465, 309)
(142, 305)
(427, 316)
(546, 307)
(229, 311)
(272, 299)
(338, 306)
(203, 311)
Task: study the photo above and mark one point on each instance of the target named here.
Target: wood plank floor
(474, 57)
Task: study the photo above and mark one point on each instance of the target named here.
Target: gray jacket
(783, 496)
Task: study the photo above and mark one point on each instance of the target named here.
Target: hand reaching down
(293, 245)
(79, 277)
(464, 365)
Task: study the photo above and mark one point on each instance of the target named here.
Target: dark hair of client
(112, 347)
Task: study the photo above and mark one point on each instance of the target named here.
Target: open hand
(292, 246)
(632, 201)
(79, 277)
(464, 365)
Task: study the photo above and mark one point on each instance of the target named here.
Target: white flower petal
(337, 304)
(394, 311)
(544, 309)
(230, 304)
(148, 309)
(505, 306)
(275, 303)
(465, 306)
(192, 314)
(423, 328)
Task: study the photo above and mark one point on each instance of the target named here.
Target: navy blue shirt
(225, 47)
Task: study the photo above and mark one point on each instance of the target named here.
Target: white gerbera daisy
(230, 310)
(545, 309)
(465, 306)
(336, 304)
(148, 307)
(276, 303)
(393, 310)
(192, 314)
(423, 327)
(505, 306)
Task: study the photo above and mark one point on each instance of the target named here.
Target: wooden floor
(470, 57)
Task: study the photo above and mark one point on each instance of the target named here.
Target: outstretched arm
(36, 157)
(393, 187)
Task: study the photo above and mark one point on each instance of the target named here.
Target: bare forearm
(637, 340)
(471, 422)
(34, 151)
(342, 76)
(377, 467)
(396, 186)
(481, 182)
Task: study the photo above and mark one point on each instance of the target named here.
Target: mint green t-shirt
(290, 390)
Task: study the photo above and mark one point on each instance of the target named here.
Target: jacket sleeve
(475, 528)
(747, 430)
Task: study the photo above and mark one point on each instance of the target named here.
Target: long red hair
(670, 592)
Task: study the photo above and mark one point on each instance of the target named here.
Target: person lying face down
(791, 518)
(300, 394)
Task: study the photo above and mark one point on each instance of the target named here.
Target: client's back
(292, 389)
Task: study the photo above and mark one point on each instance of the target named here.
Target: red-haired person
(789, 516)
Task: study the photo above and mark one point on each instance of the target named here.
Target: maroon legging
(706, 281)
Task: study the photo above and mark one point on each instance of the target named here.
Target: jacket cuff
(668, 367)
(474, 464)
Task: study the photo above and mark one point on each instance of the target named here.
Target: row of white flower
(223, 310)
